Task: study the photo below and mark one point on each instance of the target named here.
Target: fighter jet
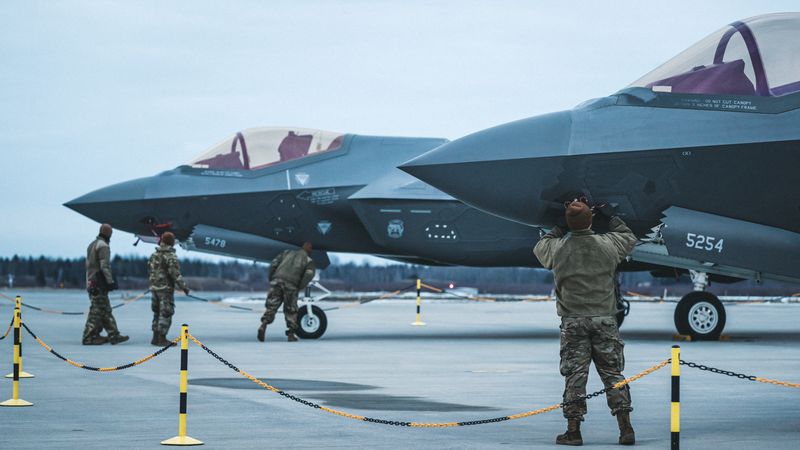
(699, 156)
(264, 190)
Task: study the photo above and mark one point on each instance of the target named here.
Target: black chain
(583, 398)
(719, 371)
(8, 329)
(397, 423)
(220, 358)
(98, 369)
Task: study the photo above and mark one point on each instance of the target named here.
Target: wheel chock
(682, 337)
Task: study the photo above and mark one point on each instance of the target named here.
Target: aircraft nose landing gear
(700, 314)
(311, 319)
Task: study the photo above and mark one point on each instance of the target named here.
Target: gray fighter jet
(265, 190)
(700, 156)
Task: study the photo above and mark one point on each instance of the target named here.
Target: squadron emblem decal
(324, 226)
(395, 229)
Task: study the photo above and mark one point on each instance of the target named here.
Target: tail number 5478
(703, 242)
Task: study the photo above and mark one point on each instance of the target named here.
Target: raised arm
(546, 248)
(621, 237)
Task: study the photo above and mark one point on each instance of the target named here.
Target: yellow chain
(98, 369)
(437, 424)
(777, 383)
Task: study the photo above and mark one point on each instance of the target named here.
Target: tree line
(237, 275)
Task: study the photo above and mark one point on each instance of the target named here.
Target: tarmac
(472, 360)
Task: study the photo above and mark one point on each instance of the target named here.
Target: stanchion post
(418, 321)
(22, 373)
(15, 400)
(675, 415)
(182, 438)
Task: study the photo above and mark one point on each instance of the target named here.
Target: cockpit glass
(257, 148)
(758, 56)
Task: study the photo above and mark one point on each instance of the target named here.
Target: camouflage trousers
(282, 293)
(162, 303)
(99, 317)
(587, 339)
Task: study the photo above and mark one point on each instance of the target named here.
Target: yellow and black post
(675, 415)
(22, 373)
(182, 438)
(15, 400)
(418, 321)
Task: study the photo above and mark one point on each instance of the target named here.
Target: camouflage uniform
(584, 266)
(290, 272)
(164, 275)
(98, 281)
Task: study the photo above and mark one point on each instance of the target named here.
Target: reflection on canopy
(758, 56)
(256, 148)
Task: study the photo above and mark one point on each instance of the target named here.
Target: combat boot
(95, 340)
(262, 330)
(626, 436)
(573, 434)
(161, 340)
(291, 337)
(118, 339)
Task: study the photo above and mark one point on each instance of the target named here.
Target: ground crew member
(289, 273)
(99, 282)
(584, 266)
(164, 274)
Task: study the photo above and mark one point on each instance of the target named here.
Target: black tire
(700, 315)
(308, 328)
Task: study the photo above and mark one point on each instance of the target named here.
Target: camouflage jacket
(584, 265)
(164, 270)
(293, 267)
(98, 262)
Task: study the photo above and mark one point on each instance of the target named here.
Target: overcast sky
(97, 92)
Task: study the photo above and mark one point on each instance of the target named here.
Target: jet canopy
(758, 56)
(257, 148)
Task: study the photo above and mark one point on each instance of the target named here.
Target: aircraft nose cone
(112, 204)
(501, 170)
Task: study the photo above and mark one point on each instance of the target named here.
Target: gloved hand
(113, 286)
(186, 291)
(605, 209)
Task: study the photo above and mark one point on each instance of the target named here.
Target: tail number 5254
(703, 242)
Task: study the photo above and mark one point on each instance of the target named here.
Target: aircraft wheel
(623, 308)
(311, 326)
(700, 315)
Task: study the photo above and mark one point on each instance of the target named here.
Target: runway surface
(471, 361)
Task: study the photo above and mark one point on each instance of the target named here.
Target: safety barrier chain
(100, 369)
(8, 330)
(74, 313)
(739, 375)
(401, 423)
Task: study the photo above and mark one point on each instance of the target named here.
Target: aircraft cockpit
(759, 56)
(258, 148)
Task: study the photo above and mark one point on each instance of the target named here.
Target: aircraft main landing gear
(700, 314)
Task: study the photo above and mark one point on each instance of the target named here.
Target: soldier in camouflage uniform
(99, 282)
(289, 273)
(164, 274)
(584, 266)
